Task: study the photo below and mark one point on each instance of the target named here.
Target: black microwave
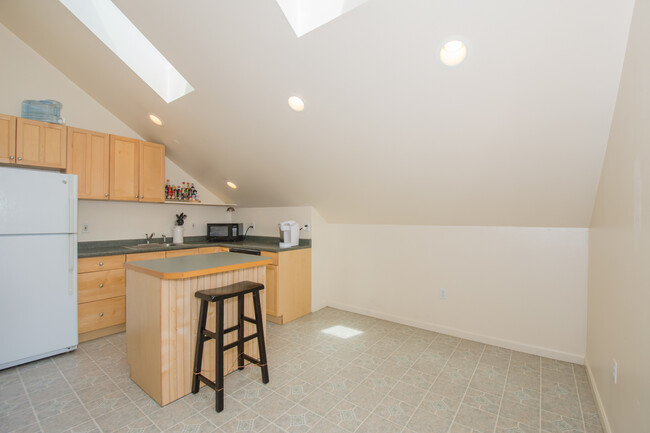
(225, 232)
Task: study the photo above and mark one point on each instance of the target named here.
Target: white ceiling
(515, 135)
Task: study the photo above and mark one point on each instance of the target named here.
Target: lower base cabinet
(288, 285)
(101, 290)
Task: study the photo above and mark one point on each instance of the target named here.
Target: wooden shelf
(194, 203)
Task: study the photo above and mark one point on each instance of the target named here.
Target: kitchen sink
(150, 246)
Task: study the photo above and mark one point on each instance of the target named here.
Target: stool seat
(218, 296)
(230, 291)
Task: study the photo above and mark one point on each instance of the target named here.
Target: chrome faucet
(149, 237)
(164, 239)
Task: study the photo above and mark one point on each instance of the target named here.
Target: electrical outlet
(85, 228)
(252, 226)
(443, 293)
(615, 372)
(193, 226)
(306, 227)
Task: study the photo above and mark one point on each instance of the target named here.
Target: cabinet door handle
(101, 314)
(142, 197)
(137, 196)
(101, 285)
(11, 157)
(101, 263)
(106, 195)
(20, 158)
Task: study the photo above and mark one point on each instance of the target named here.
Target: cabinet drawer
(210, 250)
(105, 263)
(145, 256)
(272, 256)
(102, 314)
(93, 286)
(179, 253)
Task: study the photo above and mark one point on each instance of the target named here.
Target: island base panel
(167, 328)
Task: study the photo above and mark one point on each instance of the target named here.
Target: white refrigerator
(38, 264)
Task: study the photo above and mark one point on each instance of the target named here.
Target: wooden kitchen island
(162, 314)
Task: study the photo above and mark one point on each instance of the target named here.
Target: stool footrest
(251, 359)
(249, 320)
(207, 381)
(207, 335)
(235, 343)
(231, 329)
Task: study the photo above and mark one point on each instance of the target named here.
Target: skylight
(306, 15)
(119, 34)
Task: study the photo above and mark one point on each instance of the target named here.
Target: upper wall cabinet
(124, 168)
(137, 170)
(40, 144)
(152, 172)
(7, 139)
(88, 158)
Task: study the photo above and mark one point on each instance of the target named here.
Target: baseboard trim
(486, 339)
(599, 402)
(315, 308)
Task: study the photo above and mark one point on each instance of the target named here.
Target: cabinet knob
(106, 195)
(142, 197)
(101, 263)
(101, 285)
(137, 196)
(101, 314)
(20, 158)
(11, 157)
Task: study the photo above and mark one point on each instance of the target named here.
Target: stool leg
(260, 336)
(240, 332)
(218, 371)
(198, 352)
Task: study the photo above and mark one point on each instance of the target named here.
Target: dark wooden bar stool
(219, 295)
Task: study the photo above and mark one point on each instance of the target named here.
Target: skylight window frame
(107, 22)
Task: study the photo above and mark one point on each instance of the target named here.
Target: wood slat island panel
(162, 318)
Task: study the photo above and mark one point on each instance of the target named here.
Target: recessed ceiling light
(453, 53)
(155, 119)
(296, 103)
(231, 184)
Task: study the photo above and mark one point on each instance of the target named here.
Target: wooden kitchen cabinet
(211, 250)
(101, 292)
(180, 253)
(40, 144)
(88, 158)
(288, 285)
(152, 172)
(7, 139)
(137, 170)
(124, 168)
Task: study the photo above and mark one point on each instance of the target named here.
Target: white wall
(266, 219)
(29, 76)
(619, 249)
(109, 220)
(521, 288)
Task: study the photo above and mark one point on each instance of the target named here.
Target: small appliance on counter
(289, 234)
(225, 232)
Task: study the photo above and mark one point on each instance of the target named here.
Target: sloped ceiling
(515, 135)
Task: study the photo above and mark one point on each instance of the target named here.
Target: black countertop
(112, 248)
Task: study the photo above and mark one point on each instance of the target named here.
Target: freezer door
(37, 202)
(38, 293)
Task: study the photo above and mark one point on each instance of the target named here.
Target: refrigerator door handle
(72, 195)
(72, 267)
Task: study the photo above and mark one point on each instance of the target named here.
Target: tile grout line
(29, 399)
(437, 376)
(582, 414)
(118, 387)
(503, 393)
(468, 384)
(92, 418)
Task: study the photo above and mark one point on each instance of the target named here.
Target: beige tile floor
(390, 378)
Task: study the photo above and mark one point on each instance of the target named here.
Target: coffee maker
(289, 234)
